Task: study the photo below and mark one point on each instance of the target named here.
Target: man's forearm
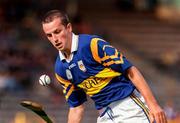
(156, 112)
(140, 83)
(75, 114)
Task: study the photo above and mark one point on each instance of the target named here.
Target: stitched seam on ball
(42, 81)
(45, 80)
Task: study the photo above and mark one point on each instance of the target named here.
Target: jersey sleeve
(109, 56)
(74, 95)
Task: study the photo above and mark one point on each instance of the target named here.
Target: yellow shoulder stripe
(120, 61)
(112, 56)
(94, 49)
(66, 84)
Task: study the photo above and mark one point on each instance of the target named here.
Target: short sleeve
(109, 56)
(74, 95)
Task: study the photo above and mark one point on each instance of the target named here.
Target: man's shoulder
(87, 37)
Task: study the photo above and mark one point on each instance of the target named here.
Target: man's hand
(157, 114)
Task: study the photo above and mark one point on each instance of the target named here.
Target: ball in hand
(44, 80)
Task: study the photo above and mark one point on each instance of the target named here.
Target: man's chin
(60, 48)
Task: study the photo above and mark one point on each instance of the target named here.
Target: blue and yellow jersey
(96, 69)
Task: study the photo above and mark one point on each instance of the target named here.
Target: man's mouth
(58, 44)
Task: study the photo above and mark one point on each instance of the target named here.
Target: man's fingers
(160, 115)
(164, 118)
(160, 118)
(151, 118)
(157, 119)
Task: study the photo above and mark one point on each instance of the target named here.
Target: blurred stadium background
(146, 31)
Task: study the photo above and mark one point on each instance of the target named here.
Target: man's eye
(57, 31)
(48, 35)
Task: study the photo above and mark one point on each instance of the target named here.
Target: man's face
(58, 34)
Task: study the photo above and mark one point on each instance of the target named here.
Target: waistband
(107, 108)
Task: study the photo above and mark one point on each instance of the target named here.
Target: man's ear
(69, 27)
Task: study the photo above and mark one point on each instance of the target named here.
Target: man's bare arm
(138, 80)
(75, 114)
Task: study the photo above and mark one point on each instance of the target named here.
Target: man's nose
(54, 37)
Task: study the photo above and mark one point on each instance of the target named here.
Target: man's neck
(66, 54)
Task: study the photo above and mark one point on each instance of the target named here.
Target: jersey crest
(81, 66)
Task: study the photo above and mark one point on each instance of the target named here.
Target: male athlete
(88, 65)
